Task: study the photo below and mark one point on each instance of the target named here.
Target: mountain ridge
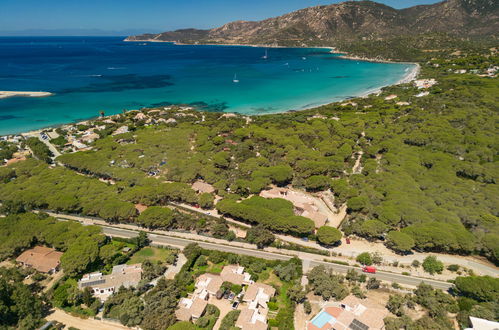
(326, 25)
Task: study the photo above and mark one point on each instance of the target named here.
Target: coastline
(6, 94)
(407, 78)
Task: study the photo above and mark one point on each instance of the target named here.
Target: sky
(123, 17)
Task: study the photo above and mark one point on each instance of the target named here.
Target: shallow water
(90, 74)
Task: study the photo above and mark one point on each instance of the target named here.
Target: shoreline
(409, 77)
(6, 94)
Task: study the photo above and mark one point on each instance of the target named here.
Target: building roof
(250, 319)
(257, 289)
(202, 187)
(41, 258)
(122, 275)
(354, 314)
(235, 274)
(190, 308)
(209, 282)
(482, 324)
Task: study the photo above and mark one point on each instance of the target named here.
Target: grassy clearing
(149, 253)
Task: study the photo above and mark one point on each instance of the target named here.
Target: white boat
(235, 80)
(304, 58)
(266, 56)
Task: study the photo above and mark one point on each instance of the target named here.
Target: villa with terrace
(236, 275)
(209, 286)
(102, 286)
(351, 313)
(254, 315)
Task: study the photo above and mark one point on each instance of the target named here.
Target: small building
(121, 130)
(41, 258)
(202, 187)
(78, 145)
(190, 309)
(254, 316)
(235, 274)
(251, 319)
(258, 294)
(140, 116)
(422, 94)
(208, 284)
(424, 83)
(90, 137)
(105, 285)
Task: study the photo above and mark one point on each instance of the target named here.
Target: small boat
(304, 58)
(266, 56)
(235, 80)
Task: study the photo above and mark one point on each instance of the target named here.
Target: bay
(91, 74)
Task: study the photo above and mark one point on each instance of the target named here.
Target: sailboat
(266, 56)
(235, 80)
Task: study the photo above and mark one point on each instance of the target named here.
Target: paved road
(181, 242)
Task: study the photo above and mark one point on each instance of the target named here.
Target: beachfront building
(41, 258)
(351, 313)
(103, 286)
(254, 315)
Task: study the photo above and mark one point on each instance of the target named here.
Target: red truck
(369, 269)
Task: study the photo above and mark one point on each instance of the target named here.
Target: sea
(91, 74)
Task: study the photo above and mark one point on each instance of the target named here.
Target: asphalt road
(182, 242)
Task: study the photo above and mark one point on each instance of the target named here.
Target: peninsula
(6, 94)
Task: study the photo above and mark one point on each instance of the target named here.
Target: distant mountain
(352, 20)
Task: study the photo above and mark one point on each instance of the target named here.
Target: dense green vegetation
(276, 214)
(39, 149)
(429, 166)
(7, 149)
(80, 243)
(19, 307)
(472, 296)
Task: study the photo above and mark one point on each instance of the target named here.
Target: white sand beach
(5, 94)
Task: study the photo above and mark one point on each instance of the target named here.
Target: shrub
(365, 259)
(432, 265)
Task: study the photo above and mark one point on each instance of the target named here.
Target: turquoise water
(88, 75)
(320, 320)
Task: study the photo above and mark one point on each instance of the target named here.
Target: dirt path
(82, 324)
(174, 269)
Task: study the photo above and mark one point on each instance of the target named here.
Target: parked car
(235, 304)
(231, 296)
(220, 294)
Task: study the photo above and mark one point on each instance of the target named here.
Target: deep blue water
(90, 74)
